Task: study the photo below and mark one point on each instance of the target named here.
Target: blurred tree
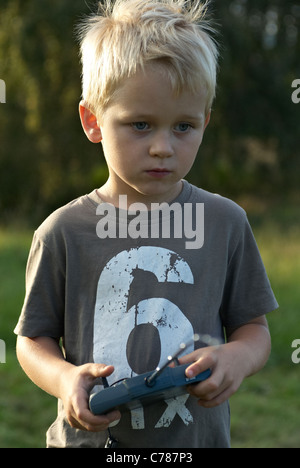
(252, 142)
(44, 157)
(250, 145)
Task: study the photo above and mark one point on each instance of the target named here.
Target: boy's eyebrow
(199, 118)
(193, 117)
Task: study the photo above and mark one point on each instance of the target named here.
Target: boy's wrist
(252, 345)
(238, 358)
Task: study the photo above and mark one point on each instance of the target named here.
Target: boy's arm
(245, 353)
(43, 362)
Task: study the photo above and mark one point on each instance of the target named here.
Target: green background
(250, 153)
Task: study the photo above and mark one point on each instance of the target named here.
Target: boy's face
(150, 138)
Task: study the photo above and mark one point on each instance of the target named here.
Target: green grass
(25, 411)
(265, 410)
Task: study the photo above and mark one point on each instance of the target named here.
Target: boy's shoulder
(217, 206)
(71, 217)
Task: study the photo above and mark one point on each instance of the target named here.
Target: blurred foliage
(250, 145)
(252, 142)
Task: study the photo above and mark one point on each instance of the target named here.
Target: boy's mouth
(158, 173)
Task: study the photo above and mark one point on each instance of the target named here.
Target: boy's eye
(182, 127)
(140, 126)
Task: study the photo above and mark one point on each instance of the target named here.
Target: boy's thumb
(102, 370)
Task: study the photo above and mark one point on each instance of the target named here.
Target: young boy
(124, 275)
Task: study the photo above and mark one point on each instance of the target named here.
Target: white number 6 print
(113, 323)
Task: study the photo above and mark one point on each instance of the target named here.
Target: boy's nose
(161, 146)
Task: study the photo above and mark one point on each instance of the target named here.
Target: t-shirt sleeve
(43, 309)
(247, 292)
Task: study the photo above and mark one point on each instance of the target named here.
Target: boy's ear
(207, 120)
(89, 123)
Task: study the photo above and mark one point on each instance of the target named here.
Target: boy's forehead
(154, 76)
(148, 89)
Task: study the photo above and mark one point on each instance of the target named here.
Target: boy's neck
(113, 197)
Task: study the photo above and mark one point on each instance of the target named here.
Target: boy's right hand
(75, 386)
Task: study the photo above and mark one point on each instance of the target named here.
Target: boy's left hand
(245, 354)
(227, 374)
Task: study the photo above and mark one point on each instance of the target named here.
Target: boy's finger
(104, 370)
(201, 365)
(88, 420)
(98, 423)
(191, 357)
(98, 370)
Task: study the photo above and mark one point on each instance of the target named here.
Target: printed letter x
(175, 406)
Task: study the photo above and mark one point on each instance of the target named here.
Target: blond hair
(126, 35)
